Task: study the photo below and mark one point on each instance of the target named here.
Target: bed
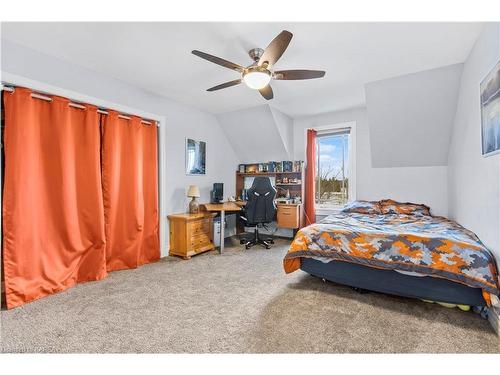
(397, 248)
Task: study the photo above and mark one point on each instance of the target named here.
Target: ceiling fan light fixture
(259, 74)
(257, 79)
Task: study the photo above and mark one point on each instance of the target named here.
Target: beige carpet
(238, 302)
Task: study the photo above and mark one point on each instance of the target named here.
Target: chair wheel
(247, 247)
(243, 241)
(268, 247)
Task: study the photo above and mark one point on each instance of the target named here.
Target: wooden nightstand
(191, 234)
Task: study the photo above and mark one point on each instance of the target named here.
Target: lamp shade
(193, 191)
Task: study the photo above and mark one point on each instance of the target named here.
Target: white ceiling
(157, 58)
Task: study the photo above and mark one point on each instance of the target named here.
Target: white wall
(411, 117)
(256, 135)
(285, 128)
(181, 121)
(415, 184)
(474, 180)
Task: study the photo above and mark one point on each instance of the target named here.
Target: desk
(222, 208)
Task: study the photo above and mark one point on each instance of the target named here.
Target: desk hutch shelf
(296, 189)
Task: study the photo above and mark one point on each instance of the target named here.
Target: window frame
(332, 129)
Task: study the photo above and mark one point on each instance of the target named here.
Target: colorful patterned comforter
(429, 245)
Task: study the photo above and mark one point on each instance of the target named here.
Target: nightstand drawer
(199, 227)
(200, 240)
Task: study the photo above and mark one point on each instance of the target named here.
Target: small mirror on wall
(195, 157)
(490, 111)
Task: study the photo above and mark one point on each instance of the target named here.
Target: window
(332, 175)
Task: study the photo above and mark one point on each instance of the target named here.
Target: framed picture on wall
(196, 156)
(490, 112)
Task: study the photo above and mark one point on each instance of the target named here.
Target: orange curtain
(53, 214)
(310, 188)
(130, 191)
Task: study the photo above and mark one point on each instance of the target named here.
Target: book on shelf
(286, 166)
(272, 167)
(297, 166)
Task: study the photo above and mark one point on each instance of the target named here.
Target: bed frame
(392, 282)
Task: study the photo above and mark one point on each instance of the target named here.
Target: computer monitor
(218, 192)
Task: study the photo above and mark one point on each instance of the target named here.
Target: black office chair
(259, 210)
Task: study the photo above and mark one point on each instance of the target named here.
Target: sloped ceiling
(285, 128)
(411, 117)
(258, 134)
(156, 56)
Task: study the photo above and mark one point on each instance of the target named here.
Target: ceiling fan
(258, 75)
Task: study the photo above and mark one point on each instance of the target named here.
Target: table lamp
(193, 192)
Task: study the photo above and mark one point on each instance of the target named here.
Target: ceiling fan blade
(267, 92)
(218, 60)
(298, 74)
(224, 85)
(276, 48)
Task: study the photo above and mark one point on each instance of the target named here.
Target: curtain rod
(77, 105)
(327, 132)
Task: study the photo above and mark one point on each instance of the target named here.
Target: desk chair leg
(257, 240)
